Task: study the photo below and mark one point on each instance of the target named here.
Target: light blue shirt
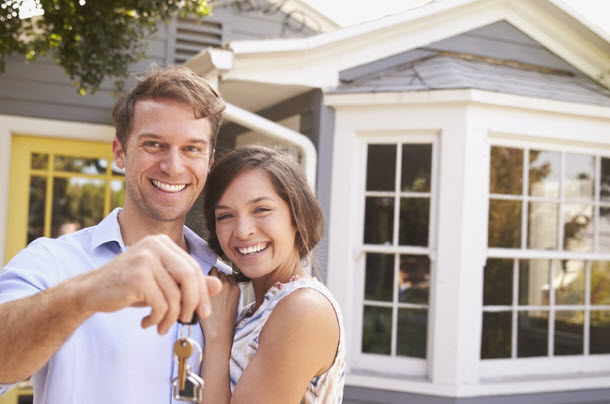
(109, 359)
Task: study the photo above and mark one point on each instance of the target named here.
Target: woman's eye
(221, 217)
(261, 209)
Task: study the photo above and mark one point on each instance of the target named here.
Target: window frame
(393, 364)
(547, 365)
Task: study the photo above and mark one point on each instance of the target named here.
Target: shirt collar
(108, 230)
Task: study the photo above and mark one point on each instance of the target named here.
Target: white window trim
(416, 367)
(493, 369)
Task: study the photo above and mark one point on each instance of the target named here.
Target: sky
(347, 12)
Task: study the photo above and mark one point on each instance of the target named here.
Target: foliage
(91, 40)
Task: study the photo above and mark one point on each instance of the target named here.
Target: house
(56, 164)
(462, 158)
(461, 153)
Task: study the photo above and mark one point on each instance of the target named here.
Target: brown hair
(173, 82)
(288, 181)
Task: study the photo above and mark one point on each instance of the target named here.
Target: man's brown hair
(176, 83)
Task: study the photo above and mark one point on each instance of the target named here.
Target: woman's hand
(218, 327)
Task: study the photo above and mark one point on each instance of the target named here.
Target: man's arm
(154, 272)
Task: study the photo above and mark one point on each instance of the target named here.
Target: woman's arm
(298, 342)
(218, 335)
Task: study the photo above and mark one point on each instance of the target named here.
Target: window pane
(497, 334)
(414, 219)
(569, 282)
(38, 193)
(542, 226)
(600, 282)
(506, 171)
(40, 161)
(381, 167)
(600, 332)
(532, 331)
(379, 277)
(412, 332)
(377, 330)
(498, 282)
(577, 227)
(569, 333)
(504, 223)
(414, 279)
(378, 220)
(604, 192)
(604, 229)
(579, 176)
(80, 165)
(534, 278)
(117, 193)
(544, 173)
(416, 167)
(77, 200)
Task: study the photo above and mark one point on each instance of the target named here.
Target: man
(75, 312)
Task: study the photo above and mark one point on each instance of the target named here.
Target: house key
(188, 385)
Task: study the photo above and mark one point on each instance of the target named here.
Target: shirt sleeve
(30, 271)
(222, 267)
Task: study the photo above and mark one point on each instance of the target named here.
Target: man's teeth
(253, 248)
(168, 187)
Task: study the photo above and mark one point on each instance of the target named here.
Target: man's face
(167, 156)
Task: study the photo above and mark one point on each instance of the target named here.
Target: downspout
(269, 128)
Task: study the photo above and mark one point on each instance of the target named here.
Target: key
(193, 388)
(183, 349)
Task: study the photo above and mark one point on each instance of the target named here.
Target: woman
(288, 346)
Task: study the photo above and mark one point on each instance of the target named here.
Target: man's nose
(172, 163)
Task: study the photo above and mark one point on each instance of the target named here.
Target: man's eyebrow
(250, 202)
(157, 137)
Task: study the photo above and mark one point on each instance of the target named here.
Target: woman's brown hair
(288, 181)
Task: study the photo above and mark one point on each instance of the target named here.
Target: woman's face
(254, 227)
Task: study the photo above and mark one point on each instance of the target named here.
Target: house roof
(443, 70)
(317, 61)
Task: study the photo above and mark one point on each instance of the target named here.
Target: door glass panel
(544, 173)
(532, 331)
(412, 332)
(414, 279)
(40, 161)
(414, 218)
(497, 335)
(604, 192)
(377, 330)
(416, 167)
(38, 194)
(379, 277)
(117, 193)
(77, 200)
(378, 220)
(381, 168)
(569, 333)
(80, 165)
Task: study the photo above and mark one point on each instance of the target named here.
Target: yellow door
(57, 186)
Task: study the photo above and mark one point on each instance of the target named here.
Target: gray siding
(359, 395)
(42, 90)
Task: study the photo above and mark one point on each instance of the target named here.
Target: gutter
(269, 128)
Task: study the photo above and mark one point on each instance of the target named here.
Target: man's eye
(194, 149)
(152, 143)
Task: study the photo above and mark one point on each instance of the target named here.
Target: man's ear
(212, 158)
(119, 153)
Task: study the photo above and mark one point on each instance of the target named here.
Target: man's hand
(153, 272)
